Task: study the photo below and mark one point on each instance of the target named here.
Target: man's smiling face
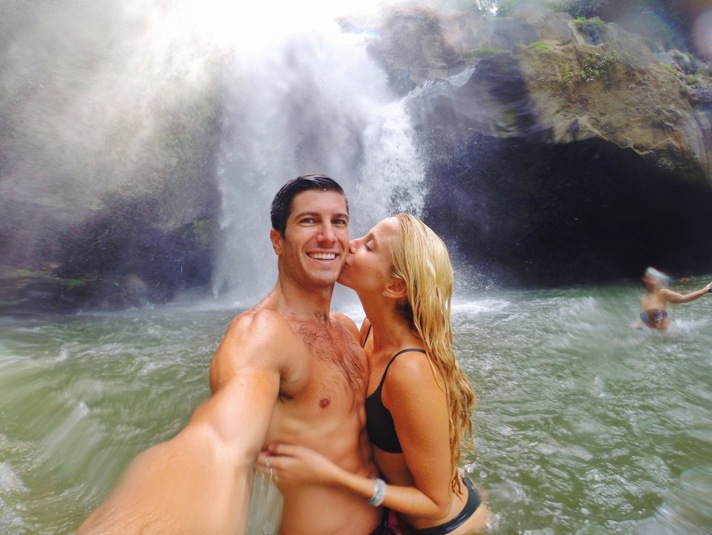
(316, 239)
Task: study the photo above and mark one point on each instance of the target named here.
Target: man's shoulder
(262, 320)
(346, 323)
(257, 333)
(257, 339)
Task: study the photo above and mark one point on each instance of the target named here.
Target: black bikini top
(379, 422)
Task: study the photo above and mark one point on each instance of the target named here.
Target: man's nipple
(324, 403)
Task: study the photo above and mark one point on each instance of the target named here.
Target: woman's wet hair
(421, 259)
(282, 202)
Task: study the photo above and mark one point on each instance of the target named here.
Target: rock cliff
(558, 150)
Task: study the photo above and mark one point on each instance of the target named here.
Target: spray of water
(88, 95)
(314, 102)
(96, 97)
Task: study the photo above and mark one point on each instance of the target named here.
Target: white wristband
(379, 492)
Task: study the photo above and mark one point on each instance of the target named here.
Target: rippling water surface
(584, 424)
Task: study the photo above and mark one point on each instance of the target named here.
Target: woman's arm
(417, 402)
(297, 463)
(419, 411)
(676, 298)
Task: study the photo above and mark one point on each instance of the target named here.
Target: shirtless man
(288, 370)
(653, 304)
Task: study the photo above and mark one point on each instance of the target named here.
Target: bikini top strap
(368, 332)
(394, 358)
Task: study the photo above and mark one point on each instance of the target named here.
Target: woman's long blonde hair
(420, 258)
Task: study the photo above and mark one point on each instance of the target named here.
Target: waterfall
(311, 102)
(113, 103)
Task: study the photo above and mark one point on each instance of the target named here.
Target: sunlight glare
(256, 24)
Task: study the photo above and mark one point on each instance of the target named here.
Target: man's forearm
(181, 486)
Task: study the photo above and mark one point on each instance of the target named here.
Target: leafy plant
(598, 66)
(567, 76)
(593, 28)
(482, 53)
(665, 164)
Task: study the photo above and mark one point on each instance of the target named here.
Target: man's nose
(326, 233)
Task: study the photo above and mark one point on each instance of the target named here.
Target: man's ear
(276, 238)
(396, 289)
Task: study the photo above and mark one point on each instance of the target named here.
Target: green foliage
(201, 229)
(678, 13)
(567, 75)
(539, 45)
(606, 9)
(482, 53)
(582, 23)
(703, 71)
(593, 29)
(598, 66)
(560, 6)
(505, 8)
(669, 68)
(691, 79)
(665, 164)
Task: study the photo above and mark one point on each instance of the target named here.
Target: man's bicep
(240, 412)
(251, 343)
(246, 374)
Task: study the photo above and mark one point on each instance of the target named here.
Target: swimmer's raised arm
(676, 298)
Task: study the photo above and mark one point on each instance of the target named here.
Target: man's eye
(307, 220)
(341, 222)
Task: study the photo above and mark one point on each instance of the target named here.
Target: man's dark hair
(282, 202)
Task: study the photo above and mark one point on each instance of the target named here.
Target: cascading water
(310, 102)
(142, 99)
(313, 102)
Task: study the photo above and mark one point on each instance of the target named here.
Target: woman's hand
(297, 463)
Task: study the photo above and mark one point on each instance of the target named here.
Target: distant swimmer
(653, 304)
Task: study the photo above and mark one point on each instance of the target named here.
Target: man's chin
(325, 279)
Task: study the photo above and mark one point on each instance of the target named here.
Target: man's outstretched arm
(200, 480)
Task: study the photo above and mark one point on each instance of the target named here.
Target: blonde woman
(418, 411)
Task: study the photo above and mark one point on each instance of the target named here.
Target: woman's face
(652, 282)
(368, 265)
